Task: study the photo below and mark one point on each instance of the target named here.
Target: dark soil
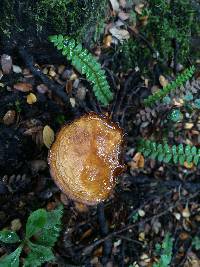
(106, 234)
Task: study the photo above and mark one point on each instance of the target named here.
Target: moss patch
(26, 20)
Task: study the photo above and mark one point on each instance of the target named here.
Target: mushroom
(85, 158)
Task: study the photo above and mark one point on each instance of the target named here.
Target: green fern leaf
(165, 153)
(86, 64)
(160, 94)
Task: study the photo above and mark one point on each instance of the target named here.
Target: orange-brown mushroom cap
(85, 158)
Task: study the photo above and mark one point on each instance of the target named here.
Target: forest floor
(151, 200)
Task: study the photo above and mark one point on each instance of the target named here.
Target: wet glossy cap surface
(85, 158)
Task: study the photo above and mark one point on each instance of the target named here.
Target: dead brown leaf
(23, 87)
(139, 8)
(163, 81)
(188, 165)
(6, 63)
(9, 117)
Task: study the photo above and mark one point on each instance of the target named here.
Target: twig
(57, 89)
(121, 95)
(89, 248)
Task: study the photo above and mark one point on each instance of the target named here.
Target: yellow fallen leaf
(139, 8)
(107, 40)
(188, 165)
(48, 136)
(178, 102)
(31, 99)
(163, 81)
(137, 161)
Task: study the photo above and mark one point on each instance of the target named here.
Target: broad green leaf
(49, 234)
(35, 222)
(38, 255)
(9, 237)
(12, 260)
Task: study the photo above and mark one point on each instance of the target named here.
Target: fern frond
(86, 64)
(160, 94)
(165, 153)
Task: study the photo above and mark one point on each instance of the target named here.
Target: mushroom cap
(85, 158)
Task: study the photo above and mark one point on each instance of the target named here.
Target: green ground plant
(160, 94)
(86, 64)
(45, 228)
(37, 19)
(163, 152)
(165, 250)
(169, 24)
(196, 243)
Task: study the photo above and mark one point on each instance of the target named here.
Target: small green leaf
(166, 148)
(153, 155)
(188, 97)
(12, 260)
(181, 159)
(175, 115)
(38, 255)
(197, 103)
(35, 222)
(147, 152)
(196, 243)
(194, 150)
(167, 158)
(174, 150)
(196, 159)
(175, 159)
(160, 157)
(167, 100)
(189, 158)
(9, 237)
(188, 150)
(180, 149)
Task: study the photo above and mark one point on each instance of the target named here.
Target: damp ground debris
(152, 217)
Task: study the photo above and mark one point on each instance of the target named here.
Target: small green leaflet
(196, 243)
(165, 251)
(166, 153)
(12, 260)
(38, 255)
(9, 237)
